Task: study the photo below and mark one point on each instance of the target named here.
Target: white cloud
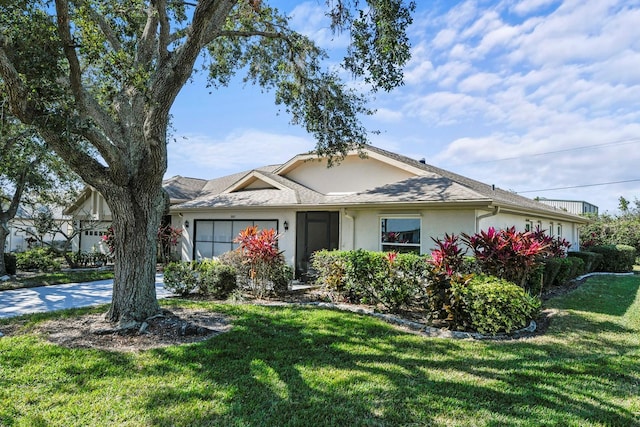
(387, 115)
(525, 7)
(479, 82)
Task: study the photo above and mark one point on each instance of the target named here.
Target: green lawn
(313, 367)
(56, 278)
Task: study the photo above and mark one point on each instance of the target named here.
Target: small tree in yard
(30, 173)
(97, 79)
(260, 250)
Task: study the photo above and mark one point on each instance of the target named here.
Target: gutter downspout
(496, 211)
(353, 228)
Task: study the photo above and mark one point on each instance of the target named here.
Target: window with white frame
(559, 230)
(214, 237)
(528, 225)
(400, 234)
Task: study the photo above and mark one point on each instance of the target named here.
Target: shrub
(180, 277)
(280, 276)
(507, 254)
(591, 260)
(577, 267)
(440, 299)
(552, 267)
(10, 263)
(260, 250)
(616, 258)
(37, 259)
(236, 260)
(331, 269)
(216, 279)
(495, 305)
(390, 279)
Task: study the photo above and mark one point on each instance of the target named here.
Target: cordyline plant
(260, 249)
(557, 247)
(443, 301)
(507, 253)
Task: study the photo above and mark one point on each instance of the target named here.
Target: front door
(315, 230)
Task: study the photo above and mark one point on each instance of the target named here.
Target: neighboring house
(384, 201)
(92, 215)
(577, 207)
(22, 231)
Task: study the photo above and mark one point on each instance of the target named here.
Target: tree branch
(106, 29)
(147, 41)
(85, 103)
(165, 30)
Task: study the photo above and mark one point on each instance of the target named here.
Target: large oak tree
(98, 78)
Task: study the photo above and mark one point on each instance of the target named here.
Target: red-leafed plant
(557, 247)
(507, 253)
(260, 250)
(442, 299)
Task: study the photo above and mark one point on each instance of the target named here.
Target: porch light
(186, 224)
(286, 226)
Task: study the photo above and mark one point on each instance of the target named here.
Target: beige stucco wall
(569, 231)
(353, 174)
(434, 223)
(360, 228)
(286, 242)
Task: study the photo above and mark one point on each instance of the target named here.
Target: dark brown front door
(315, 230)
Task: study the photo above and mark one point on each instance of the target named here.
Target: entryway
(315, 230)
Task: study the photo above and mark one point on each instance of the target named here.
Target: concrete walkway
(58, 297)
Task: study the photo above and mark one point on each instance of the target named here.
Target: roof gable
(353, 174)
(254, 180)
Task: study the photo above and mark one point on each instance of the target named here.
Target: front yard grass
(55, 278)
(296, 366)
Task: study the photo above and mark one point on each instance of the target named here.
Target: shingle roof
(432, 185)
(181, 188)
(478, 190)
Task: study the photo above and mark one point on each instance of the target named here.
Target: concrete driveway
(58, 297)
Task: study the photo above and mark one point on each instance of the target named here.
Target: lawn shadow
(284, 367)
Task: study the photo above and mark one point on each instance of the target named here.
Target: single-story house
(380, 201)
(23, 234)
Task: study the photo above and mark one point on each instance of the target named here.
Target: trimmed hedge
(494, 305)
(616, 258)
(38, 259)
(216, 279)
(592, 260)
(10, 263)
(369, 277)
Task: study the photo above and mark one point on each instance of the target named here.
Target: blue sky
(528, 95)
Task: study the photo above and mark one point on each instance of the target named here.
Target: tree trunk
(136, 211)
(4, 233)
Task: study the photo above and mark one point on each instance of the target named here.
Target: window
(559, 230)
(215, 237)
(400, 234)
(528, 225)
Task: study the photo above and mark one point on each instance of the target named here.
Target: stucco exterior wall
(353, 174)
(286, 242)
(568, 231)
(434, 223)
